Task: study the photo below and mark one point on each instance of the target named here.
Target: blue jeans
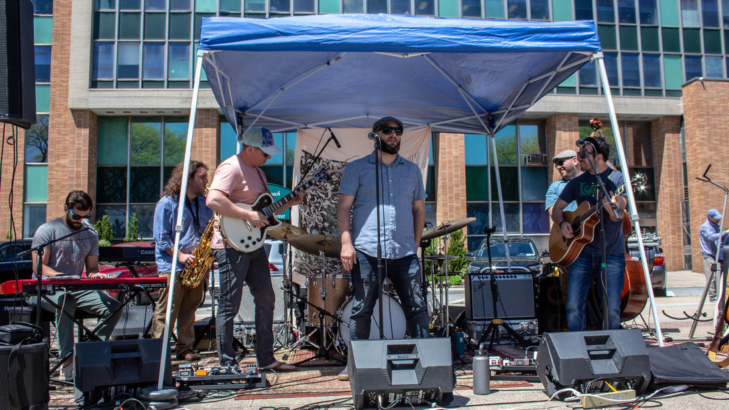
(404, 273)
(581, 274)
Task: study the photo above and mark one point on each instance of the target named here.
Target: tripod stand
(493, 327)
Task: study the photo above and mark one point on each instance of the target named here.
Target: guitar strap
(265, 185)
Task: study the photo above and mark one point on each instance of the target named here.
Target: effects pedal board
(221, 378)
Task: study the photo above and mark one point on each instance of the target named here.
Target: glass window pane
(227, 140)
(506, 146)
(180, 26)
(562, 10)
(175, 139)
(626, 11)
(481, 213)
(472, 8)
(144, 184)
(33, 217)
(129, 26)
(154, 60)
(493, 8)
(290, 148)
(477, 183)
(112, 141)
(710, 13)
(179, 61)
(103, 61)
(511, 213)
(43, 7)
(353, 6)
(117, 216)
(430, 215)
(690, 13)
(583, 10)
(712, 41)
(146, 141)
(608, 39)
(400, 7)
(509, 183)
(206, 6)
(540, 9)
(145, 219)
(104, 26)
(332, 6)
(255, 6)
(449, 8)
(128, 61)
(198, 23)
(535, 218)
(648, 12)
(42, 97)
(692, 40)
(36, 141)
(111, 185)
(588, 75)
(714, 67)
(611, 66)
(42, 29)
(631, 73)
(475, 149)
(669, 13)
(652, 70)
(424, 8)
(282, 6)
(36, 183)
(671, 40)
(234, 5)
(530, 142)
(605, 11)
(517, 9)
(693, 67)
(155, 5)
(534, 183)
(105, 4)
(430, 185)
(673, 72)
(180, 5)
(129, 4)
(155, 26)
(629, 38)
(42, 64)
(649, 37)
(725, 13)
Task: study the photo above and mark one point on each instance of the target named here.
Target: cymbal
(441, 257)
(312, 244)
(446, 228)
(285, 231)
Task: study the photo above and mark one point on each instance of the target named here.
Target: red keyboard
(28, 286)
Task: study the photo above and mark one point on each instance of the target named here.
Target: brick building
(113, 89)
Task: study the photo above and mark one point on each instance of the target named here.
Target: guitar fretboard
(287, 198)
(577, 222)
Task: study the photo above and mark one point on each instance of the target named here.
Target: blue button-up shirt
(553, 195)
(710, 233)
(402, 184)
(165, 217)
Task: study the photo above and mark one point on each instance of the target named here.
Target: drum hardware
(394, 323)
(446, 228)
(314, 244)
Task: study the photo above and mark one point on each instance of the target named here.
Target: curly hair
(174, 185)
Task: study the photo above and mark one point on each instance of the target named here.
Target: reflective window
(611, 66)
(494, 9)
(583, 10)
(535, 218)
(180, 5)
(42, 6)
(300, 6)
(472, 8)
(424, 7)
(506, 145)
(175, 139)
(36, 141)
(588, 75)
(117, 217)
(400, 7)
(155, 26)
(652, 70)
(42, 64)
(179, 61)
(373, 6)
(511, 214)
(475, 149)
(104, 4)
(605, 11)
(690, 13)
(710, 13)
(128, 61)
(626, 11)
(631, 70)
(103, 61)
(714, 67)
(517, 9)
(257, 6)
(129, 4)
(540, 9)
(353, 6)
(155, 5)
(276, 6)
(154, 61)
(693, 67)
(34, 215)
(725, 13)
(648, 12)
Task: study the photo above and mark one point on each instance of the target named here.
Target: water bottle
(481, 372)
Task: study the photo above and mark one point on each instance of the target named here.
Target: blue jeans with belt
(581, 274)
(404, 273)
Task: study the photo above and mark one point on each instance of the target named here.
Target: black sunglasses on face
(583, 153)
(387, 130)
(78, 217)
(560, 162)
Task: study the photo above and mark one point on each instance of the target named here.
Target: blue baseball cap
(260, 137)
(713, 213)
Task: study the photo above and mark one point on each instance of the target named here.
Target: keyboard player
(68, 257)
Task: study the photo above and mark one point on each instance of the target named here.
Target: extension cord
(606, 399)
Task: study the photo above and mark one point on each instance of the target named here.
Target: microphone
(334, 138)
(373, 136)
(87, 224)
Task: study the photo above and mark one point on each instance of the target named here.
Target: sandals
(280, 367)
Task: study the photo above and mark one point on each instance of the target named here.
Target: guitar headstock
(638, 181)
(321, 174)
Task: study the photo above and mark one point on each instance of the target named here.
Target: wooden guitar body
(635, 292)
(564, 251)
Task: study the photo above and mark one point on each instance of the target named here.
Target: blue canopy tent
(345, 71)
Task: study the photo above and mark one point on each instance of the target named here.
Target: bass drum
(392, 316)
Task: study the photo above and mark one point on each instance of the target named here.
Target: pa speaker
(551, 309)
(574, 359)
(133, 322)
(17, 65)
(399, 372)
(119, 363)
(24, 383)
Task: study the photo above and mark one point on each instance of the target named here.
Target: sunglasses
(263, 152)
(78, 217)
(560, 162)
(388, 130)
(583, 153)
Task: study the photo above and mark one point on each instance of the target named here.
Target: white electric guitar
(242, 235)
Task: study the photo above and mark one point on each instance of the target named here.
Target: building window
(35, 192)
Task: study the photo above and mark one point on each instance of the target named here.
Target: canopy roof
(457, 75)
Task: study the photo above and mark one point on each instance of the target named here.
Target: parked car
(523, 253)
(656, 260)
(9, 261)
(274, 250)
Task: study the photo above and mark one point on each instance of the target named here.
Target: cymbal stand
(288, 273)
(446, 314)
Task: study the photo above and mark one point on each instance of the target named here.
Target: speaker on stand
(17, 63)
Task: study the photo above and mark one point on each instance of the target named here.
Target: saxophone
(192, 276)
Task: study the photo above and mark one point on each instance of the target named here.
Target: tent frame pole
(628, 189)
(180, 211)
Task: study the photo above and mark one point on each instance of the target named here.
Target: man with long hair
(195, 218)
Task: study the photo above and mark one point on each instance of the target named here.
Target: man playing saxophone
(195, 219)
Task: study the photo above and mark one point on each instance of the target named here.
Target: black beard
(386, 148)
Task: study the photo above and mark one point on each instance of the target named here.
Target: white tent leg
(180, 210)
(492, 136)
(629, 190)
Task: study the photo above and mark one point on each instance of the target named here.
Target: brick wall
(450, 159)
(205, 143)
(562, 132)
(669, 187)
(7, 181)
(705, 105)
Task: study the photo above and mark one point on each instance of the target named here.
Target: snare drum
(392, 316)
(337, 290)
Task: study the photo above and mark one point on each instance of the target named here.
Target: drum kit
(329, 299)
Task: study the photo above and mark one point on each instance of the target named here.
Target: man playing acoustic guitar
(587, 266)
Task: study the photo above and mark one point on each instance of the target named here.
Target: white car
(274, 249)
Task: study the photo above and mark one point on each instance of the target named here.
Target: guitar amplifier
(515, 296)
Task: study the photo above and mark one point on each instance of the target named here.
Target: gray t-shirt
(68, 255)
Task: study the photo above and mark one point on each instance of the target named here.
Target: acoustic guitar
(583, 220)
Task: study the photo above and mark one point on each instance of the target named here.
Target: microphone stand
(315, 158)
(378, 162)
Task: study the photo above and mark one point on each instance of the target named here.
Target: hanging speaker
(17, 63)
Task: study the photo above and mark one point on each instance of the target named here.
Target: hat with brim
(384, 121)
(713, 213)
(260, 137)
(566, 154)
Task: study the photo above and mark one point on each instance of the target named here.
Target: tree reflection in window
(146, 141)
(175, 140)
(506, 145)
(36, 141)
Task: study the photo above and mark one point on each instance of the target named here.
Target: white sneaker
(344, 375)
(67, 373)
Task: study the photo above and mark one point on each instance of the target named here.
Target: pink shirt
(241, 183)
